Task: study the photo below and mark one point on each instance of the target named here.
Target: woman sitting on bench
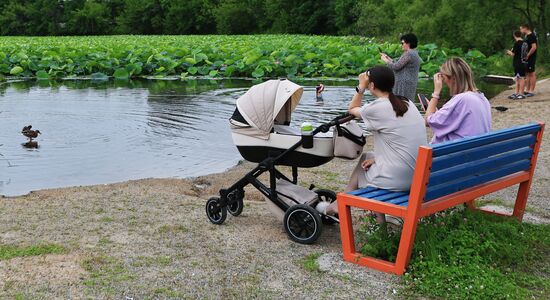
(398, 130)
(467, 113)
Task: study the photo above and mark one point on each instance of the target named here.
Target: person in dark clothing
(531, 40)
(519, 52)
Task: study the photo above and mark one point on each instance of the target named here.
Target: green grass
(460, 254)
(19, 296)
(503, 203)
(310, 264)
(148, 261)
(105, 271)
(165, 229)
(167, 292)
(256, 56)
(12, 251)
(106, 219)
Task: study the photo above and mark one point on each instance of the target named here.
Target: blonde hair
(462, 77)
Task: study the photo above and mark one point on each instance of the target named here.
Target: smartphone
(423, 101)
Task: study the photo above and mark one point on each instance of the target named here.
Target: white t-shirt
(396, 142)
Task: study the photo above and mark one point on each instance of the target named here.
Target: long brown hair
(462, 77)
(383, 79)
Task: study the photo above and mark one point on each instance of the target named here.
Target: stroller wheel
(215, 213)
(302, 224)
(327, 196)
(236, 204)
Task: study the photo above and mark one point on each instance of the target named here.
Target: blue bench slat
(479, 166)
(399, 200)
(390, 196)
(362, 191)
(453, 159)
(480, 140)
(377, 193)
(455, 186)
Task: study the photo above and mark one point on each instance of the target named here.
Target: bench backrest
(468, 162)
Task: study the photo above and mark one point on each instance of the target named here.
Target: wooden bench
(447, 175)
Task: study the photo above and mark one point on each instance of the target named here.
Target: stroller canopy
(266, 103)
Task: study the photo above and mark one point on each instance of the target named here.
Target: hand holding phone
(423, 101)
(385, 57)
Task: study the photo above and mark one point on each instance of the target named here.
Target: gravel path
(150, 238)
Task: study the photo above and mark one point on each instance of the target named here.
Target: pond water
(104, 132)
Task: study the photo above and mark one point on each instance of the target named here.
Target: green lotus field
(256, 56)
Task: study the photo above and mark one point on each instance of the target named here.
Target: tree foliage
(480, 24)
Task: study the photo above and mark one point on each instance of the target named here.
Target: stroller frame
(296, 216)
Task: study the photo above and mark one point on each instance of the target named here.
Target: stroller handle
(336, 121)
(342, 119)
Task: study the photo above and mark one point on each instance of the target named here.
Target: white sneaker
(322, 207)
(394, 220)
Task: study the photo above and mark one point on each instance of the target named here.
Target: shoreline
(150, 238)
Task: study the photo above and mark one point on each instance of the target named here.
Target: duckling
(31, 134)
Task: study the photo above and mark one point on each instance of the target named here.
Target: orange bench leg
(348, 243)
(521, 200)
(408, 234)
(523, 191)
(406, 243)
(346, 231)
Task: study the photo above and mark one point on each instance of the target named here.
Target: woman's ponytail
(384, 79)
(400, 104)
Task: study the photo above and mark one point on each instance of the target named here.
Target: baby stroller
(260, 130)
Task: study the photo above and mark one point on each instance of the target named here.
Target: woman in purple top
(467, 113)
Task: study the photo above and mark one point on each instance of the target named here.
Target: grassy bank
(215, 55)
(461, 254)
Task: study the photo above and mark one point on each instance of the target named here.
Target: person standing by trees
(531, 40)
(519, 52)
(406, 68)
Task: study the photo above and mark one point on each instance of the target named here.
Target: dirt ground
(150, 238)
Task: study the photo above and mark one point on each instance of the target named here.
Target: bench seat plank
(381, 195)
(362, 191)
